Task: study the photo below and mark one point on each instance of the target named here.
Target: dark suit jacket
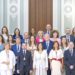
(21, 37)
(72, 38)
(69, 60)
(49, 48)
(28, 60)
(14, 49)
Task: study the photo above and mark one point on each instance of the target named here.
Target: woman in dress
(64, 47)
(1, 43)
(5, 33)
(32, 45)
(7, 61)
(40, 61)
(56, 59)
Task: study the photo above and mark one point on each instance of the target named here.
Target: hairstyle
(7, 44)
(65, 43)
(2, 38)
(54, 44)
(31, 32)
(30, 41)
(12, 39)
(73, 31)
(38, 46)
(6, 30)
(55, 31)
(40, 32)
(15, 31)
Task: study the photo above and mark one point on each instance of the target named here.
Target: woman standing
(56, 59)
(32, 45)
(64, 43)
(40, 61)
(7, 61)
(5, 33)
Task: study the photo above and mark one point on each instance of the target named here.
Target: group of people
(44, 53)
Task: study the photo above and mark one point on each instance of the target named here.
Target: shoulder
(11, 52)
(51, 41)
(51, 51)
(45, 51)
(2, 53)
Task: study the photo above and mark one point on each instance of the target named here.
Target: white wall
(14, 13)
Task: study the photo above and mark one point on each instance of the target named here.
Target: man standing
(68, 35)
(24, 61)
(16, 49)
(48, 29)
(26, 38)
(48, 45)
(69, 60)
(7, 61)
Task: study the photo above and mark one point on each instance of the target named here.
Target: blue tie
(47, 45)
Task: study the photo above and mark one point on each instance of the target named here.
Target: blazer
(27, 62)
(50, 46)
(69, 59)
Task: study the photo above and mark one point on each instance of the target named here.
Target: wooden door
(40, 14)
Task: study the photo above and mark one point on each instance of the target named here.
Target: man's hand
(71, 67)
(31, 72)
(18, 71)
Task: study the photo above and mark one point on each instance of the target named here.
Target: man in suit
(24, 61)
(16, 49)
(69, 59)
(68, 35)
(26, 38)
(48, 45)
(48, 29)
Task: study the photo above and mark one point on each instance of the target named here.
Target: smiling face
(17, 31)
(7, 46)
(32, 30)
(64, 40)
(48, 27)
(10, 38)
(26, 35)
(24, 46)
(67, 31)
(47, 37)
(32, 39)
(40, 47)
(18, 41)
(71, 45)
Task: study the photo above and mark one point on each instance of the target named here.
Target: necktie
(71, 51)
(18, 48)
(47, 44)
